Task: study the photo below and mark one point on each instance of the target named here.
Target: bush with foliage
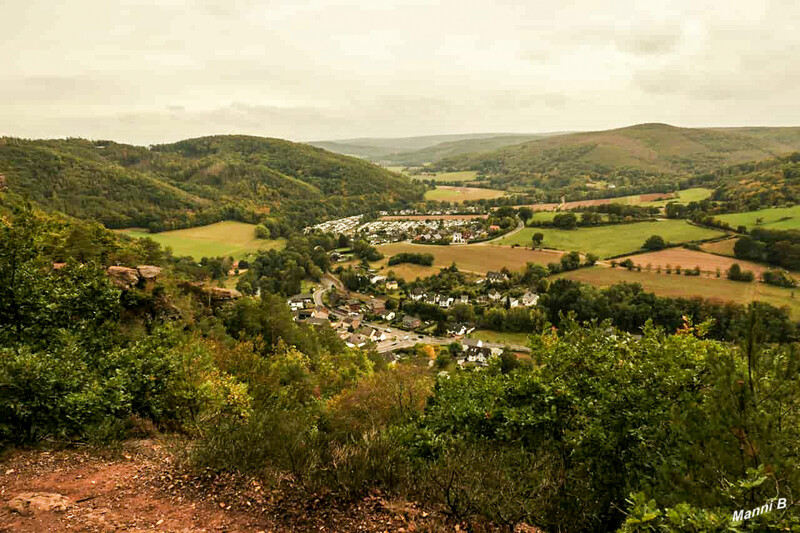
(67, 367)
(735, 273)
(654, 242)
(778, 278)
(417, 259)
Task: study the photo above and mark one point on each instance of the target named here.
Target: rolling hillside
(423, 149)
(196, 181)
(625, 155)
(449, 149)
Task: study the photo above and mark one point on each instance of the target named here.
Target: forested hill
(449, 149)
(424, 149)
(197, 181)
(764, 183)
(625, 155)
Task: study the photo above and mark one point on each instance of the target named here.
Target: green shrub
(735, 273)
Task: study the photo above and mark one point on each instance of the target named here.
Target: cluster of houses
(457, 231)
(344, 226)
(348, 323)
(528, 299)
(453, 210)
(386, 230)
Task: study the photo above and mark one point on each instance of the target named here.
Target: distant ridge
(418, 150)
(626, 153)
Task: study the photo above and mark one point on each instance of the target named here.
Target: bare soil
(139, 488)
(685, 258)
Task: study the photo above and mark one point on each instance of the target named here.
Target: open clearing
(433, 217)
(457, 195)
(774, 218)
(222, 239)
(406, 271)
(500, 337)
(610, 241)
(463, 175)
(476, 258)
(685, 196)
(546, 216)
(651, 200)
(680, 286)
(685, 258)
(723, 247)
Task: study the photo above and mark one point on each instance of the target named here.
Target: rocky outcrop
(126, 278)
(29, 503)
(219, 294)
(149, 272)
(214, 295)
(123, 277)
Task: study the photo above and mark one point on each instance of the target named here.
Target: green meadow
(773, 218)
(609, 241)
(222, 239)
(685, 196)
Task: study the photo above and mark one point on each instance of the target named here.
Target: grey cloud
(650, 41)
(159, 70)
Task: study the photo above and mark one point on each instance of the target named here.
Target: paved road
(520, 227)
(328, 281)
(318, 296)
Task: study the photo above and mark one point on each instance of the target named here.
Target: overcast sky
(148, 72)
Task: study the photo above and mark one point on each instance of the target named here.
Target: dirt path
(114, 493)
(138, 488)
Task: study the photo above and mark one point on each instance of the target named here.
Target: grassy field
(677, 286)
(543, 216)
(222, 239)
(398, 169)
(461, 194)
(685, 196)
(609, 241)
(406, 271)
(724, 247)
(500, 337)
(463, 175)
(684, 258)
(775, 218)
(475, 258)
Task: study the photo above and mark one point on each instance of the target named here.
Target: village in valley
(376, 317)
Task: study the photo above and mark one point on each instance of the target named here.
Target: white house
(445, 302)
(529, 299)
